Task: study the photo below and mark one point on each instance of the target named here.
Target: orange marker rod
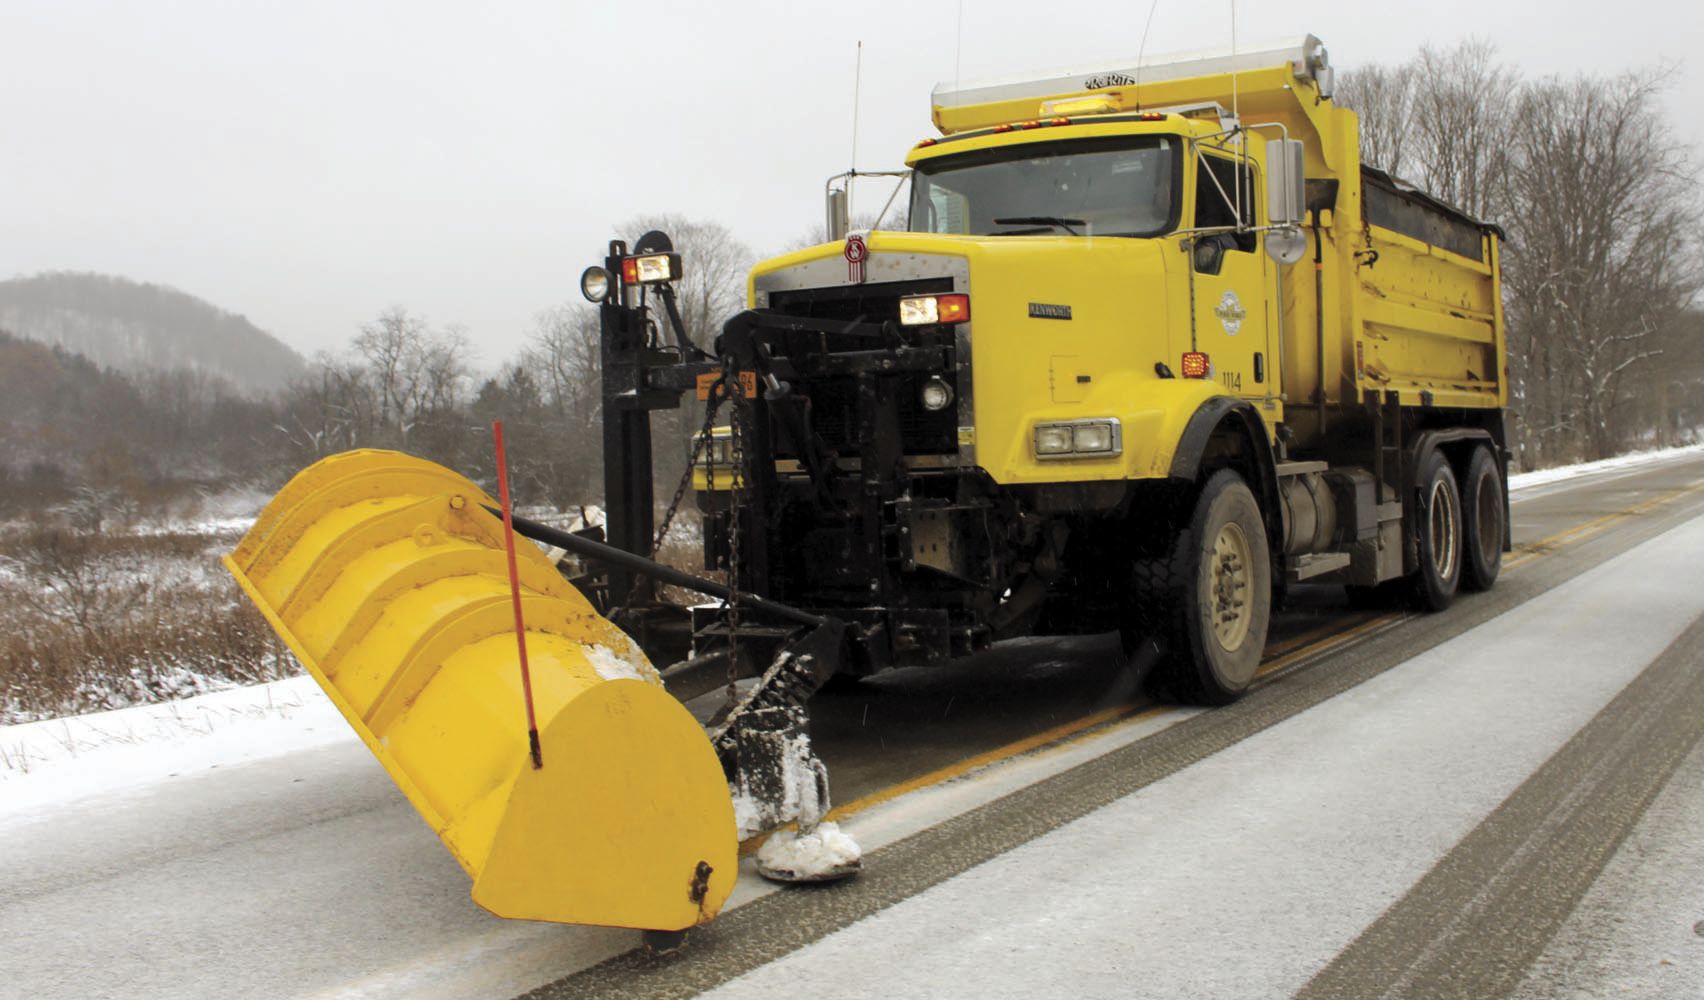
(515, 591)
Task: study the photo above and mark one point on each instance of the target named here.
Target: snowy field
(61, 760)
(1632, 460)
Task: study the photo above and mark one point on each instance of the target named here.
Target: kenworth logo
(1046, 310)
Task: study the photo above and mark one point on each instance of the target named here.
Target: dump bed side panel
(1426, 283)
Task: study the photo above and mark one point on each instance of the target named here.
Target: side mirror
(1208, 254)
(1286, 182)
(839, 215)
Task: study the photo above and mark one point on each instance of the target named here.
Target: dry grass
(91, 621)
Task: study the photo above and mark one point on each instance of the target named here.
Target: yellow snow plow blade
(387, 578)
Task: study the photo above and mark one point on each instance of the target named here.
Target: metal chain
(736, 491)
(700, 445)
(726, 387)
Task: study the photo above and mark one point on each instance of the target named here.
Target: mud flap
(386, 577)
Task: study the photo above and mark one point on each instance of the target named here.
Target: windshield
(1122, 186)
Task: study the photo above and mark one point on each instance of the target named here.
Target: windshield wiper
(1041, 220)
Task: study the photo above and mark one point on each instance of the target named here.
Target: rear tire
(1437, 525)
(1209, 601)
(1482, 521)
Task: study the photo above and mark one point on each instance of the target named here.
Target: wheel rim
(1444, 529)
(1488, 516)
(1233, 612)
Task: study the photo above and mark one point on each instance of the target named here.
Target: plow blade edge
(387, 578)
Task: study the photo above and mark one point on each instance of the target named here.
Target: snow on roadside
(1539, 477)
(48, 763)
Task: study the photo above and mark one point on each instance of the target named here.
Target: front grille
(875, 302)
(834, 399)
(834, 414)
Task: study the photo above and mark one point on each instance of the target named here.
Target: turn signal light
(1195, 364)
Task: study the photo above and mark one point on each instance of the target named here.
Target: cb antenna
(1142, 50)
(958, 51)
(1236, 118)
(857, 84)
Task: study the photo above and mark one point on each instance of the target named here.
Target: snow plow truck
(1154, 346)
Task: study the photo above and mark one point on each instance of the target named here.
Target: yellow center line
(1332, 641)
(1063, 731)
(1324, 631)
(1333, 635)
(1547, 545)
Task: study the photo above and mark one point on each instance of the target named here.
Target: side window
(1215, 187)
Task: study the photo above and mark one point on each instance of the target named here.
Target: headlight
(594, 284)
(923, 310)
(1091, 437)
(1097, 438)
(1052, 439)
(919, 311)
(937, 394)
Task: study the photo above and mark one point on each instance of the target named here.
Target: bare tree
(1461, 119)
(562, 351)
(1604, 208)
(387, 345)
(418, 375)
(562, 355)
(1383, 97)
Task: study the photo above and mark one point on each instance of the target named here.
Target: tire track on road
(1475, 924)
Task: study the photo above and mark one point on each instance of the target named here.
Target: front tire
(1210, 600)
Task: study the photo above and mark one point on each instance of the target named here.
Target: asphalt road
(308, 874)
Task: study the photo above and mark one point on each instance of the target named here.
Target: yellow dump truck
(1153, 346)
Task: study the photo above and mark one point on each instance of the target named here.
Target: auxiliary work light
(594, 284)
(937, 394)
(650, 269)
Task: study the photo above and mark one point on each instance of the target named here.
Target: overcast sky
(307, 164)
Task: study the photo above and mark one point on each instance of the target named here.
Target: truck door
(1231, 321)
